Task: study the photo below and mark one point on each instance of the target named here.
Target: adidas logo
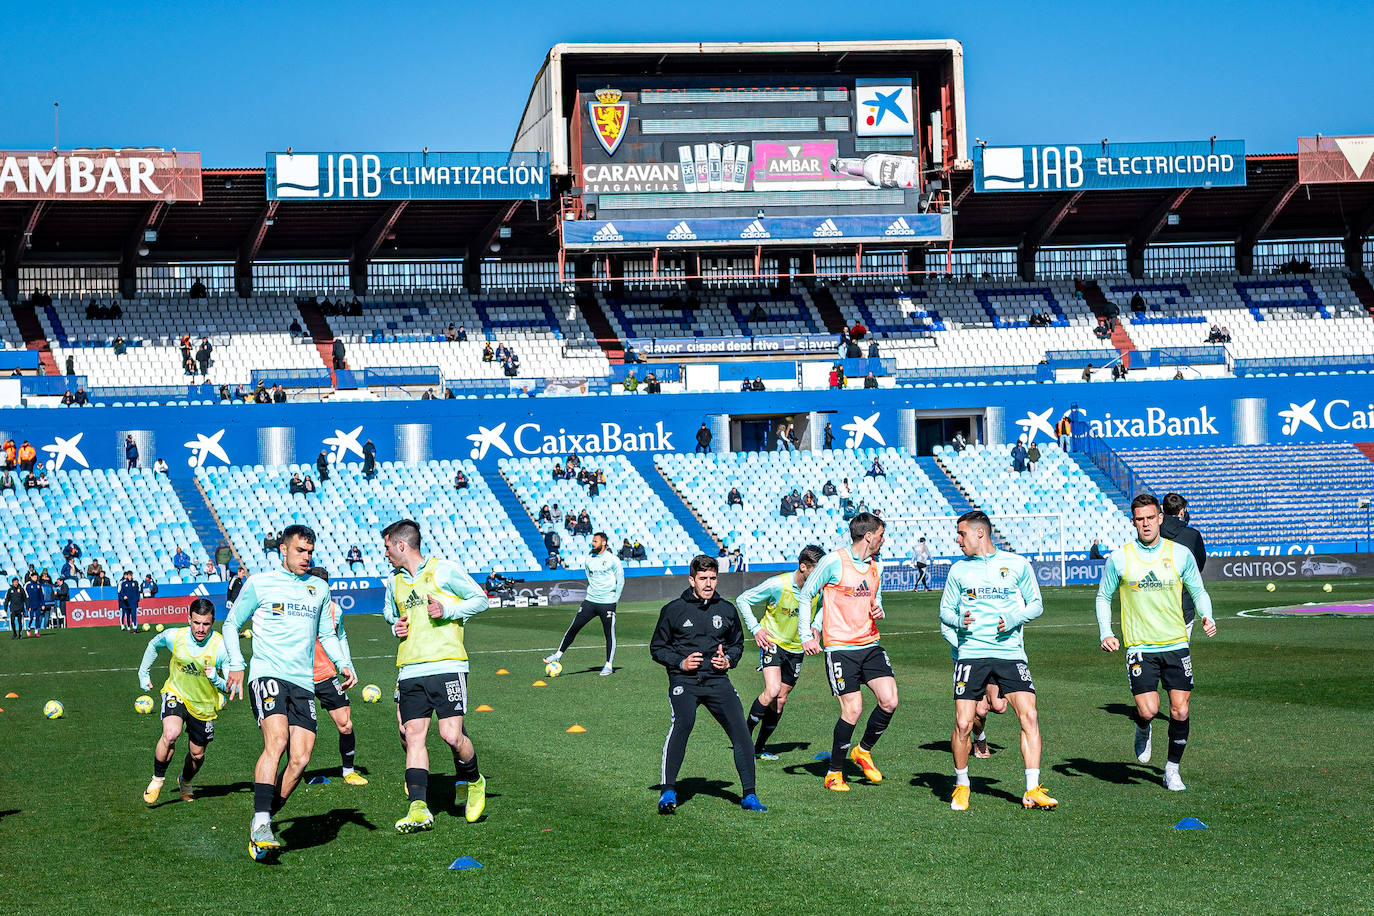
(686, 623)
(82, 595)
(200, 591)
(681, 232)
(899, 227)
(1151, 581)
(608, 233)
(755, 230)
(827, 230)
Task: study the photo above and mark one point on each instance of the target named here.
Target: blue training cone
(823, 755)
(465, 862)
(1190, 823)
(319, 781)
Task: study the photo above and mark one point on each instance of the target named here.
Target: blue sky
(234, 80)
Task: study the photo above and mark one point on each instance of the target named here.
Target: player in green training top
(989, 596)
(428, 603)
(191, 696)
(1151, 573)
(288, 609)
(779, 641)
(605, 582)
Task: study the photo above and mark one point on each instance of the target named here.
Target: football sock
(1141, 722)
(981, 736)
(878, 721)
(263, 794)
(467, 769)
(160, 767)
(756, 713)
(1178, 739)
(417, 783)
(844, 733)
(1032, 778)
(770, 722)
(961, 776)
(190, 767)
(348, 745)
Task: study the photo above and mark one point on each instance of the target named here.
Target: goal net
(1037, 537)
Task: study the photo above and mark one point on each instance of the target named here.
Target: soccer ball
(372, 693)
(1326, 586)
(553, 669)
(1269, 587)
(247, 634)
(159, 628)
(53, 709)
(145, 628)
(143, 705)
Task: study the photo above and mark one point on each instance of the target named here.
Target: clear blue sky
(235, 80)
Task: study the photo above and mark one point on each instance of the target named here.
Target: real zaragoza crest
(609, 116)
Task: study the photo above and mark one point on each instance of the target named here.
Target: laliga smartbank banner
(129, 174)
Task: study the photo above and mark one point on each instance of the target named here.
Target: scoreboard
(744, 161)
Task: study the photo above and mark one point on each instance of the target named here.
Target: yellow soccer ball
(1326, 586)
(158, 628)
(553, 669)
(53, 709)
(1269, 587)
(143, 705)
(372, 693)
(145, 628)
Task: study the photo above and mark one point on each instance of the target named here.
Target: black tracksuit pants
(718, 695)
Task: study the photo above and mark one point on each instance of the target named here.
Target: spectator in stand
(296, 331)
(637, 552)
(1214, 334)
(10, 454)
(428, 395)
(460, 480)
(1137, 303)
(42, 481)
(261, 395)
(6, 480)
(758, 384)
(70, 571)
(203, 356)
(746, 385)
(236, 586)
(570, 523)
(554, 561)
(188, 365)
(545, 514)
(296, 485)
(211, 572)
(1064, 430)
(557, 472)
(181, 560)
(270, 543)
(873, 348)
(626, 552)
(198, 290)
(1032, 456)
(369, 460)
(852, 350)
(1018, 456)
(786, 509)
(631, 354)
(101, 580)
(16, 604)
(959, 443)
(1178, 373)
(278, 394)
(857, 331)
(451, 333)
(875, 469)
(93, 569)
(82, 399)
(809, 501)
(223, 554)
(71, 550)
(703, 439)
(870, 381)
(508, 368)
(1095, 552)
(584, 524)
(309, 484)
(61, 594)
(502, 352)
(68, 399)
(322, 465)
(354, 558)
(833, 380)
(462, 333)
(27, 456)
(829, 436)
(652, 385)
(487, 354)
(552, 540)
(783, 444)
(130, 453)
(733, 498)
(339, 353)
(159, 466)
(1088, 372)
(631, 384)
(828, 488)
(120, 345)
(148, 587)
(239, 393)
(1225, 334)
(71, 364)
(30, 482)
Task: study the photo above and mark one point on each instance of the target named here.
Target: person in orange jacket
(27, 456)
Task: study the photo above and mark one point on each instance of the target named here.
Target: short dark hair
(319, 572)
(298, 531)
(405, 531)
(976, 517)
(1174, 504)
(811, 554)
(701, 563)
(201, 607)
(863, 524)
(1143, 500)
(602, 535)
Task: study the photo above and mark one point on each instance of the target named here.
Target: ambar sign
(149, 174)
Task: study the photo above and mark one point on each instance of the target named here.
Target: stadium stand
(1056, 486)
(125, 519)
(758, 529)
(1258, 494)
(711, 313)
(348, 509)
(245, 334)
(626, 507)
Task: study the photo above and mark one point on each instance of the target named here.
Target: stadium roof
(235, 212)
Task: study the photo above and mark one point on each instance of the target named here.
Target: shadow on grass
(942, 747)
(941, 785)
(785, 747)
(1127, 710)
(313, 830)
(687, 789)
(1113, 771)
(208, 791)
(8, 811)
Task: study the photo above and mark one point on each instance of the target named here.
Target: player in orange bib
(331, 694)
(846, 626)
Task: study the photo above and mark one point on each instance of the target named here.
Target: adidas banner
(738, 231)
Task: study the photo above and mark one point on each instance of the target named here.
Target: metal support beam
(249, 247)
(1258, 224)
(15, 250)
(1360, 228)
(128, 258)
(1148, 230)
(1042, 229)
(481, 242)
(366, 247)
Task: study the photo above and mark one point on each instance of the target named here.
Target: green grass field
(1278, 766)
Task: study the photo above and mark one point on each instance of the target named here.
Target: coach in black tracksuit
(1175, 527)
(699, 639)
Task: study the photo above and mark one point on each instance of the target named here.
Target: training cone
(465, 862)
(319, 781)
(1190, 823)
(577, 730)
(484, 708)
(502, 671)
(11, 695)
(540, 684)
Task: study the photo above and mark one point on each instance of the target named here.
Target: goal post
(1036, 536)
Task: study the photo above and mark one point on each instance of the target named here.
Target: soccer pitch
(1278, 766)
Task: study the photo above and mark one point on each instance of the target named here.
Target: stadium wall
(1338, 408)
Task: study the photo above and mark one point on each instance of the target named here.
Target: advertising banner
(767, 230)
(883, 107)
(732, 346)
(407, 176)
(1324, 160)
(127, 175)
(1110, 166)
(164, 608)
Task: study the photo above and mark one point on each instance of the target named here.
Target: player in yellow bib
(779, 642)
(1151, 573)
(191, 697)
